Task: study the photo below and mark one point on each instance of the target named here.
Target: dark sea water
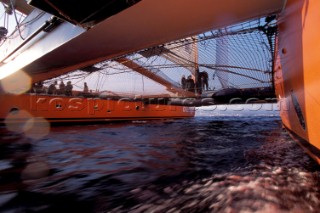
(220, 161)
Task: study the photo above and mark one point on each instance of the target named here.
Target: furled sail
(222, 59)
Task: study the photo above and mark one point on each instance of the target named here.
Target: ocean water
(226, 159)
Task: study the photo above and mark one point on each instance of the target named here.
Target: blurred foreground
(216, 162)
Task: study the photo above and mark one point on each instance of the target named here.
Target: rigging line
(252, 29)
(115, 67)
(2, 16)
(13, 36)
(105, 78)
(142, 83)
(256, 50)
(98, 80)
(248, 53)
(228, 71)
(159, 53)
(122, 72)
(235, 67)
(72, 76)
(33, 19)
(82, 77)
(254, 84)
(17, 22)
(245, 50)
(168, 66)
(181, 57)
(213, 36)
(149, 61)
(241, 49)
(188, 41)
(270, 50)
(21, 16)
(205, 65)
(7, 21)
(227, 81)
(127, 71)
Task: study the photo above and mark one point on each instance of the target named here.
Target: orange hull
(57, 109)
(297, 72)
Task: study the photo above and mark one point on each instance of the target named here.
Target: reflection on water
(214, 162)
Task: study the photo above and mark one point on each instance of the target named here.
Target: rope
(15, 16)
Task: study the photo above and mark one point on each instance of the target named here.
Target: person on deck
(62, 88)
(190, 84)
(85, 88)
(204, 80)
(38, 87)
(69, 89)
(52, 90)
(183, 82)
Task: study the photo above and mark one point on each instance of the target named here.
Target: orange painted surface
(79, 109)
(297, 73)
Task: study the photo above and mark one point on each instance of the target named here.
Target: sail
(222, 59)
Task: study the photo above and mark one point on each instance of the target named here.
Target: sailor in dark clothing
(62, 88)
(52, 90)
(183, 82)
(85, 88)
(38, 87)
(190, 84)
(69, 88)
(204, 80)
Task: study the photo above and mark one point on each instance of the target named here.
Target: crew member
(62, 88)
(204, 80)
(190, 84)
(85, 88)
(52, 90)
(38, 87)
(69, 89)
(183, 82)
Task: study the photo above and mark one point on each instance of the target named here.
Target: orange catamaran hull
(63, 109)
(297, 77)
